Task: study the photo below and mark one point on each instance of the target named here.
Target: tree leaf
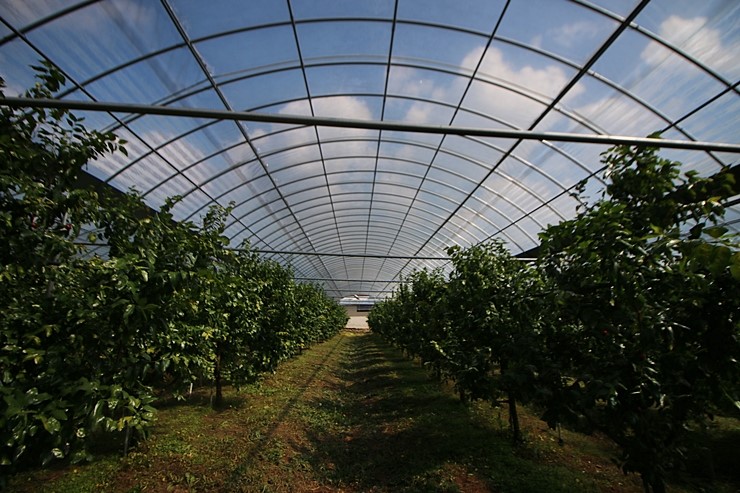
(716, 231)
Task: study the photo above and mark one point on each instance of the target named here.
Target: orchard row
(87, 343)
(628, 323)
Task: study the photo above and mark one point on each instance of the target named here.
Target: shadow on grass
(234, 479)
(401, 432)
(713, 455)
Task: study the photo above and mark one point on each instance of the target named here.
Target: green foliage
(645, 332)
(88, 343)
(493, 302)
(628, 325)
(479, 329)
(48, 411)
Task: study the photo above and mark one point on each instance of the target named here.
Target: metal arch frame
(554, 209)
(217, 90)
(282, 150)
(513, 88)
(81, 88)
(514, 183)
(555, 182)
(410, 245)
(579, 120)
(236, 167)
(389, 272)
(418, 220)
(277, 151)
(359, 214)
(398, 173)
(347, 280)
(73, 103)
(322, 241)
(571, 116)
(353, 235)
(520, 135)
(385, 225)
(455, 154)
(420, 67)
(657, 39)
(348, 229)
(349, 291)
(582, 3)
(475, 162)
(379, 233)
(316, 131)
(393, 267)
(380, 133)
(574, 80)
(435, 181)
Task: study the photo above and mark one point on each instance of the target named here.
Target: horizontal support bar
(360, 255)
(145, 109)
(345, 280)
(320, 254)
(345, 255)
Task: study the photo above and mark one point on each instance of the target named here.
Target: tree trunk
(514, 420)
(657, 485)
(516, 433)
(217, 378)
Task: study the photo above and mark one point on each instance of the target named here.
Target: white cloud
(336, 107)
(547, 80)
(500, 99)
(571, 34)
(341, 107)
(693, 37)
(617, 115)
(136, 14)
(94, 19)
(302, 140)
(420, 113)
(668, 82)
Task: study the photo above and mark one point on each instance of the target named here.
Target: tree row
(89, 342)
(628, 322)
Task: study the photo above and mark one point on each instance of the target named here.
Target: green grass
(349, 415)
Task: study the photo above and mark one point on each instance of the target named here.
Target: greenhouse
(264, 163)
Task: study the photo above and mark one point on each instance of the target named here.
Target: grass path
(350, 415)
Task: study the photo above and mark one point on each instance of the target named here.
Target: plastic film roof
(355, 209)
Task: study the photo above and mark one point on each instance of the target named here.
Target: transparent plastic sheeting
(377, 204)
